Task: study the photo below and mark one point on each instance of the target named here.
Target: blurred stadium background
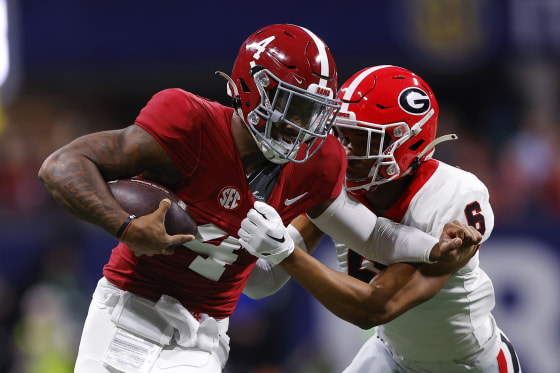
(72, 67)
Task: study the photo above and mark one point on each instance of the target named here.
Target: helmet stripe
(354, 85)
(321, 47)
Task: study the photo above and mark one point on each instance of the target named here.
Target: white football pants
(376, 357)
(127, 333)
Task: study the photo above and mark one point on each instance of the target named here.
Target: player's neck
(382, 198)
(251, 157)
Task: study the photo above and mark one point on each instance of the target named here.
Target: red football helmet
(389, 115)
(284, 81)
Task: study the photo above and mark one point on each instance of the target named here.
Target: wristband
(296, 236)
(124, 226)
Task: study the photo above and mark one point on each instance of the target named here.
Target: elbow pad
(351, 223)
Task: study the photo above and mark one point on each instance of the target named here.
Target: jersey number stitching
(217, 251)
(474, 217)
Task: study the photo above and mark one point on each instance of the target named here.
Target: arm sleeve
(266, 278)
(350, 222)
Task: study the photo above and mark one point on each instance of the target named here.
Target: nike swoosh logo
(277, 239)
(291, 201)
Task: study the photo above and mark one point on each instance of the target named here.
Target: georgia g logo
(414, 101)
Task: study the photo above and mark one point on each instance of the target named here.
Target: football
(142, 197)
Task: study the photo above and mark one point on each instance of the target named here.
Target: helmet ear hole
(416, 145)
(244, 85)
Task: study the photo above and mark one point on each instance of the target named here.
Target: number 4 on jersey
(217, 250)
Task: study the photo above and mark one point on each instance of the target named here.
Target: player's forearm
(407, 285)
(310, 235)
(77, 185)
(346, 297)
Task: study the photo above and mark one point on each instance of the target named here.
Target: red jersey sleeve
(173, 118)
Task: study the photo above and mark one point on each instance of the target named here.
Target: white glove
(264, 235)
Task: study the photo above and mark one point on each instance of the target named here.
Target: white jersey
(456, 323)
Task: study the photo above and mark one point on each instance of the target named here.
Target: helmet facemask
(288, 116)
(283, 83)
(398, 112)
(372, 142)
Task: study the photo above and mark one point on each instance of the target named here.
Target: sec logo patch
(229, 198)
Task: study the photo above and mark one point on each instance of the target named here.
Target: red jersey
(209, 274)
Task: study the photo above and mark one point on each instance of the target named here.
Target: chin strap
(236, 99)
(427, 149)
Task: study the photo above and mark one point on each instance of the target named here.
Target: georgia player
(159, 308)
(429, 317)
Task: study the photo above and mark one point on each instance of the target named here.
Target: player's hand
(146, 235)
(457, 243)
(264, 235)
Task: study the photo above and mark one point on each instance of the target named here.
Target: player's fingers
(179, 239)
(253, 217)
(472, 235)
(262, 207)
(456, 229)
(456, 242)
(243, 233)
(451, 228)
(459, 229)
(247, 225)
(466, 232)
(266, 210)
(164, 205)
(449, 246)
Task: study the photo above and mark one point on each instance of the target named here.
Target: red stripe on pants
(502, 363)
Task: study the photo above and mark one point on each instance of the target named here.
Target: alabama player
(163, 308)
(429, 317)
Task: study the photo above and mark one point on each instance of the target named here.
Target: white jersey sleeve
(452, 194)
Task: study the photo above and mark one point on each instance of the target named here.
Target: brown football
(142, 197)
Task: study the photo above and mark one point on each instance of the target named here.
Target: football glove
(264, 235)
